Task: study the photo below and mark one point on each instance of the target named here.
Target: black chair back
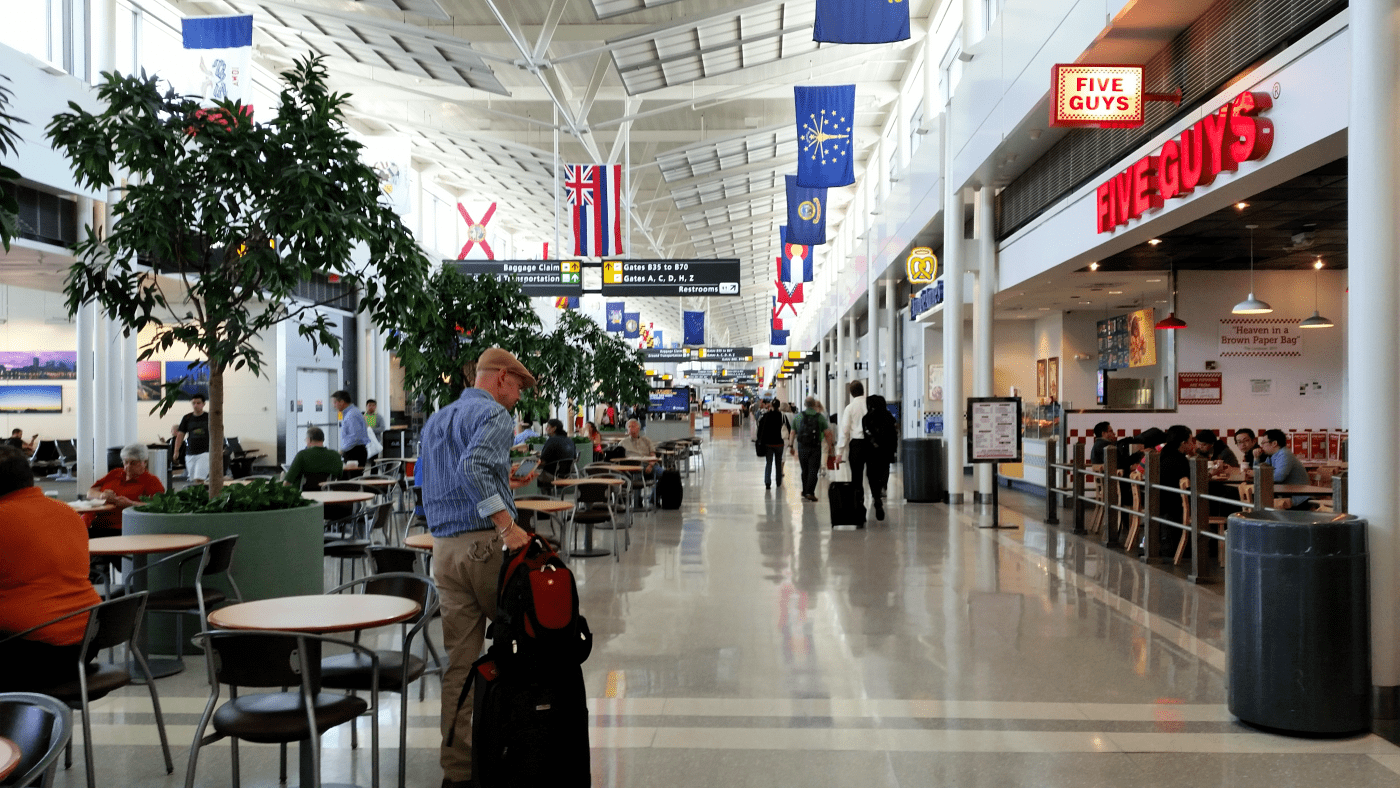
(220, 555)
(405, 585)
(234, 446)
(41, 727)
(311, 482)
(114, 622)
(46, 451)
(261, 659)
(392, 559)
(68, 449)
(594, 493)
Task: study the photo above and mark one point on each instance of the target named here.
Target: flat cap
(497, 359)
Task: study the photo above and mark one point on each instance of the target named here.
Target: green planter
(279, 553)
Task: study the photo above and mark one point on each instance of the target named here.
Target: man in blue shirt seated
(467, 478)
(1288, 469)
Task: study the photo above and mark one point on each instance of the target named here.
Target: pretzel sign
(476, 233)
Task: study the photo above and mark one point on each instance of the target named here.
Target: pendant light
(1251, 305)
(1317, 320)
(1171, 322)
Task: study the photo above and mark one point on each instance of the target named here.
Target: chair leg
(233, 756)
(155, 704)
(282, 770)
(68, 754)
(354, 725)
(87, 740)
(1180, 548)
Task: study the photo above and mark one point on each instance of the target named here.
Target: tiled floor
(743, 642)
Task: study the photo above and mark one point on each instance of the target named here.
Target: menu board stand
(994, 436)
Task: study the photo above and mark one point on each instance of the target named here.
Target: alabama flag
(595, 201)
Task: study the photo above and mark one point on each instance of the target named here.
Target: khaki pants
(467, 570)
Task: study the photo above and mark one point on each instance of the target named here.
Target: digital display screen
(675, 400)
(1101, 387)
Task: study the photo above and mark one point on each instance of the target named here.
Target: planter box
(279, 553)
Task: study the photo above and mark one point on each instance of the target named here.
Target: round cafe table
(87, 507)
(9, 757)
(138, 546)
(422, 541)
(337, 496)
(317, 614)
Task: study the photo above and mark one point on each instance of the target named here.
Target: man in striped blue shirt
(354, 432)
(467, 484)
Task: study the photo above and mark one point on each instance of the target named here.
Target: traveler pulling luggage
(669, 492)
(531, 715)
(846, 500)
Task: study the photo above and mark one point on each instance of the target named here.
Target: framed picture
(193, 377)
(1052, 378)
(31, 398)
(1040, 382)
(38, 364)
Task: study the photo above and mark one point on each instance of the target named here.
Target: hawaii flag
(595, 201)
(220, 49)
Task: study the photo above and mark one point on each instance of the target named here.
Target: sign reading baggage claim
(670, 277)
(537, 278)
(1217, 143)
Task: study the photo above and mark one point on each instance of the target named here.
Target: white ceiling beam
(657, 31)
(550, 26)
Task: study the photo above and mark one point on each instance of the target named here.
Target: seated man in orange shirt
(43, 575)
(124, 487)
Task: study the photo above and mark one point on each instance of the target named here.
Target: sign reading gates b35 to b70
(670, 277)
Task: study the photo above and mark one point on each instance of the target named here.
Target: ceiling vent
(1301, 241)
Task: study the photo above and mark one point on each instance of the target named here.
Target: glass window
(126, 25)
(916, 121)
(28, 27)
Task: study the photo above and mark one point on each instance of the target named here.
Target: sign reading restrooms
(1217, 143)
(1103, 96)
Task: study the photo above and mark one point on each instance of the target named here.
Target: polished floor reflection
(742, 641)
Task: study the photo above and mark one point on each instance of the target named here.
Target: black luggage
(846, 508)
(669, 492)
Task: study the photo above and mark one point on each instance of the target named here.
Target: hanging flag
(795, 262)
(779, 334)
(789, 296)
(825, 116)
(476, 232)
(391, 159)
(566, 302)
(631, 325)
(659, 338)
(615, 315)
(595, 202)
(806, 214)
(861, 21)
(220, 48)
(694, 328)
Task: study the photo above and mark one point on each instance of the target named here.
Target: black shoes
(879, 509)
(809, 497)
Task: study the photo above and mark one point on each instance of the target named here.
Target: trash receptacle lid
(1291, 517)
(1288, 532)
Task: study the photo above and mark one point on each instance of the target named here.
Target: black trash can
(1298, 630)
(922, 460)
(114, 457)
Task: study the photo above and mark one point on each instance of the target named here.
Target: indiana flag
(595, 201)
(631, 325)
(825, 117)
(616, 309)
(795, 262)
(694, 328)
(806, 214)
(220, 49)
(861, 21)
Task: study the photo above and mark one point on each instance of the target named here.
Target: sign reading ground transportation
(537, 277)
(993, 429)
(726, 354)
(668, 354)
(670, 277)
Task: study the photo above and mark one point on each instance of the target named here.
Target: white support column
(954, 431)
(852, 353)
(982, 362)
(87, 320)
(894, 352)
(1373, 361)
(872, 323)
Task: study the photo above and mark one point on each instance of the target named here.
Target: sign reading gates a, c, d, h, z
(1218, 142)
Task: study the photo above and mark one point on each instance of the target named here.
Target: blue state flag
(694, 328)
(861, 21)
(631, 325)
(615, 310)
(806, 214)
(825, 117)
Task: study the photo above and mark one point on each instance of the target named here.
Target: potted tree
(220, 221)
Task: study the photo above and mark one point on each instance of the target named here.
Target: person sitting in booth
(315, 458)
(123, 487)
(43, 576)
(1288, 469)
(1103, 438)
(1251, 453)
(1214, 449)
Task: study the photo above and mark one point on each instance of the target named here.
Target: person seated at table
(557, 455)
(526, 431)
(123, 487)
(1251, 454)
(638, 445)
(1175, 465)
(1103, 438)
(315, 458)
(590, 431)
(16, 440)
(1288, 469)
(43, 575)
(1214, 449)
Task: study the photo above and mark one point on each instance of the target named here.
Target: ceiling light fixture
(1317, 320)
(1251, 305)
(1093, 266)
(1171, 322)
(1155, 241)
(1240, 206)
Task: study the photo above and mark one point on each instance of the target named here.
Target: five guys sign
(1219, 141)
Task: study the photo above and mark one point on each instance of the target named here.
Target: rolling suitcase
(669, 492)
(846, 508)
(529, 726)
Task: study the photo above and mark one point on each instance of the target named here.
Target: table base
(160, 668)
(589, 553)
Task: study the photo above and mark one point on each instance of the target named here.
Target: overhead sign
(1105, 96)
(537, 277)
(921, 266)
(1216, 143)
(926, 299)
(668, 354)
(804, 355)
(671, 277)
(726, 354)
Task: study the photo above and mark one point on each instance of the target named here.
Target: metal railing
(1080, 477)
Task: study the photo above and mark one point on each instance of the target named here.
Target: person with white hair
(124, 487)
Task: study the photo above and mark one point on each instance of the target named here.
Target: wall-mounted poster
(1041, 389)
(31, 399)
(1142, 338)
(38, 365)
(147, 381)
(1052, 378)
(1113, 342)
(193, 377)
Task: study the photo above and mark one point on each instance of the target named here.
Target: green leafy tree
(223, 218)
(9, 140)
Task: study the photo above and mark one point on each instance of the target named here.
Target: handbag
(837, 471)
(759, 448)
(374, 447)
